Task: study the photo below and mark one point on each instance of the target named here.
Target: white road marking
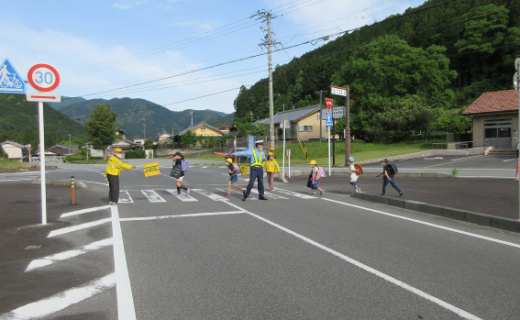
(75, 213)
(93, 182)
(507, 160)
(427, 224)
(235, 192)
(60, 301)
(182, 197)
(437, 158)
(190, 215)
(211, 195)
(422, 294)
(270, 194)
(62, 256)
(152, 196)
(466, 158)
(124, 197)
(204, 167)
(82, 226)
(294, 194)
(125, 300)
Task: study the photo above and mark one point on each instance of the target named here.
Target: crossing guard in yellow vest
(271, 166)
(112, 173)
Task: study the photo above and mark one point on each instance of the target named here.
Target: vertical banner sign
(151, 169)
(251, 143)
(43, 78)
(329, 103)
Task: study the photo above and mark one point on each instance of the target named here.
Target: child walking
(314, 179)
(271, 166)
(233, 178)
(178, 173)
(388, 178)
(353, 175)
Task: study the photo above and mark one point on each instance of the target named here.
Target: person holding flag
(112, 173)
(257, 168)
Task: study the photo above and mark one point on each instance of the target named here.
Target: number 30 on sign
(43, 77)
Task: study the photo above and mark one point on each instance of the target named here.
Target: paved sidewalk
(497, 197)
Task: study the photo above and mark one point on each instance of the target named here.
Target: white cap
(259, 142)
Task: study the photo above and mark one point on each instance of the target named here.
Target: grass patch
(360, 151)
(95, 161)
(14, 164)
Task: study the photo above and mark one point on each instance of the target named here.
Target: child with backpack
(314, 178)
(271, 166)
(179, 167)
(355, 171)
(389, 170)
(233, 171)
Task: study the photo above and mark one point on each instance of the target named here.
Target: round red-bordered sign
(43, 77)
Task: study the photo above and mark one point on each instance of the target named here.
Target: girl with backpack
(233, 170)
(179, 166)
(314, 178)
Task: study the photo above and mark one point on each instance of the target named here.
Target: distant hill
(132, 111)
(19, 122)
(66, 101)
(222, 114)
(227, 119)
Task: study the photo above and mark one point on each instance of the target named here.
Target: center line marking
(190, 215)
(422, 294)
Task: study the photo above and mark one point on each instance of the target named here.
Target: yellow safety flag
(151, 169)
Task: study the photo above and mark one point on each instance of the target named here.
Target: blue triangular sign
(10, 79)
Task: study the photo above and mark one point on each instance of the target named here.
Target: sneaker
(401, 194)
(188, 192)
(382, 194)
(262, 198)
(322, 192)
(314, 194)
(244, 192)
(244, 198)
(110, 202)
(353, 193)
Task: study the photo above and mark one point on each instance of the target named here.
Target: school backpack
(321, 172)
(359, 168)
(238, 170)
(392, 169)
(185, 165)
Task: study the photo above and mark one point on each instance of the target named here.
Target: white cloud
(120, 6)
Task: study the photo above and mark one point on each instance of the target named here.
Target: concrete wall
(478, 127)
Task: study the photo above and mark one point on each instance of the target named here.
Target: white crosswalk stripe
(211, 195)
(124, 197)
(152, 196)
(182, 197)
(293, 193)
(235, 193)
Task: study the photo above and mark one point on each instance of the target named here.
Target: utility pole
(70, 139)
(144, 125)
(191, 113)
(266, 16)
(321, 92)
(251, 114)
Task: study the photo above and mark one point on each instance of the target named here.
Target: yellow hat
(229, 160)
(271, 153)
(118, 150)
(313, 162)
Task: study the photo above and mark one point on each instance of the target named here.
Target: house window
(305, 128)
(202, 129)
(497, 129)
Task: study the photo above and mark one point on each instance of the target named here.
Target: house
(62, 150)
(164, 137)
(139, 141)
(14, 150)
(224, 128)
(305, 122)
(495, 119)
(200, 129)
(121, 142)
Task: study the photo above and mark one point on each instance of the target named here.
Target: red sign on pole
(329, 103)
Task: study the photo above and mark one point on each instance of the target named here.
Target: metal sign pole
(328, 131)
(283, 154)
(43, 186)
(289, 163)
(347, 126)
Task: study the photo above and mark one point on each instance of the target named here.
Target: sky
(181, 54)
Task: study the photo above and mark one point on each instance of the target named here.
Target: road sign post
(43, 78)
(234, 133)
(517, 84)
(285, 124)
(288, 153)
(329, 124)
(344, 92)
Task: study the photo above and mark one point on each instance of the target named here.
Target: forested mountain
(19, 122)
(131, 113)
(440, 55)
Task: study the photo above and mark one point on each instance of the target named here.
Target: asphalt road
(156, 256)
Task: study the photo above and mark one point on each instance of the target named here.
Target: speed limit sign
(43, 77)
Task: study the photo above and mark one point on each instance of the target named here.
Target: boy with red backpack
(355, 171)
(314, 178)
(233, 170)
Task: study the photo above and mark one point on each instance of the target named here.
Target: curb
(402, 174)
(456, 214)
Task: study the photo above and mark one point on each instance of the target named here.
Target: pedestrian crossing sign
(151, 169)
(10, 79)
(329, 123)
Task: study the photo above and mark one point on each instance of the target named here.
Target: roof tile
(494, 102)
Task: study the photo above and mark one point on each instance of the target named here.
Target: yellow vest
(257, 161)
(115, 165)
(271, 166)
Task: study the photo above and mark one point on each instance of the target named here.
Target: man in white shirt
(353, 176)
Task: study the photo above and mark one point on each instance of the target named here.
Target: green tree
(148, 142)
(261, 129)
(454, 123)
(189, 138)
(101, 127)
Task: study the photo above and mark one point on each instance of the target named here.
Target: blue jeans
(392, 182)
(254, 174)
(233, 178)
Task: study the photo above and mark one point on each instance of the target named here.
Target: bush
(75, 157)
(135, 154)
